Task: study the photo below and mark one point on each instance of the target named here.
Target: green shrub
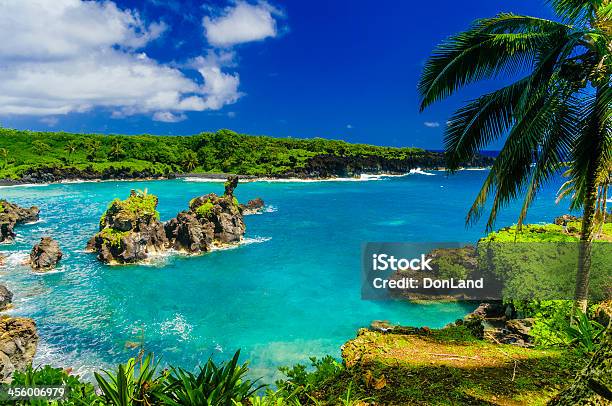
(302, 379)
(78, 393)
(204, 209)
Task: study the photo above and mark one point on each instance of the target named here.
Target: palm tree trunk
(587, 233)
(584, 249)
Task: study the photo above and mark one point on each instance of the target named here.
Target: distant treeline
(22, 152)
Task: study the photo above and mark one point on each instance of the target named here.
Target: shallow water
(292, 291)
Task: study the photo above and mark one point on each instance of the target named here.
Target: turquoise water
(290, 292)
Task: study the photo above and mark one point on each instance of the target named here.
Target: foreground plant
(223, 385)
(132, 386)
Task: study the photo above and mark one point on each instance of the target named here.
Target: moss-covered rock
(130, 230)
(210, 220)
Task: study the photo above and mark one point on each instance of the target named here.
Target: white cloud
(349, 126)
(50, 121)
(431, 124)
(71, 56)
(168, 117)
(242, 22)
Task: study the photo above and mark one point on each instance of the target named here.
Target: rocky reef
(11, 215)
(45, 255)
(210, 220)
(18, 342)
(254, 206)
(6, 298)
(130, 230)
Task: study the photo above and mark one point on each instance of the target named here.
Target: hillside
(51, 156)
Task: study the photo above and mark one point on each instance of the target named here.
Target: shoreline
(221, 177)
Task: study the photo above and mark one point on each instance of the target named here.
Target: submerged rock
(254, 206)
(130, 230)
(210, 220)
(18, 341)
(6, 297)
(46, 254)
(11, 215)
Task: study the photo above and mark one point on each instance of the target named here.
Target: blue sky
(335, 69)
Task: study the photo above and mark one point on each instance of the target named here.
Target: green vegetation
(113, 236)
(558, 114)
(204, 209)
(223, 151)
(138, 204)
(414, 366)
(1, 208)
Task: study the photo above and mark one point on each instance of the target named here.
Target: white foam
(244, 241)
(177, 326)
(17, 258)
(25, 185)
(270, 209)
(203, 180)
(418, 171)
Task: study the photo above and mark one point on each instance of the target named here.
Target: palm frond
(576, 11)
(506, 43)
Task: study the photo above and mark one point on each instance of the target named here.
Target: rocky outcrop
(329, 165)
(57, 173)
(210, 220)
(254, 206)
(130, 230)
(45, 255)
(6, 297)
(593, 385)
(18, 341)
(11, 215)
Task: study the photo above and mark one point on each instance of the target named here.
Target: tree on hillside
(4, 155)
(70, 148)
(189, 161)
(116, 151)
(558, 113)
(92, 147)
(40, 147)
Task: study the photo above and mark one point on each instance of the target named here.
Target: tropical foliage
(223, 151)
(557, 113)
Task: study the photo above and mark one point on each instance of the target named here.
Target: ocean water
(291, 291)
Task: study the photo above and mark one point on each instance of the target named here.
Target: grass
(545, 233)
(450, 367)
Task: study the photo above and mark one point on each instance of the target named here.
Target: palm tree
(116, 151)
(70, 148)
(92, 147)
(190, 160)
(557, 113)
